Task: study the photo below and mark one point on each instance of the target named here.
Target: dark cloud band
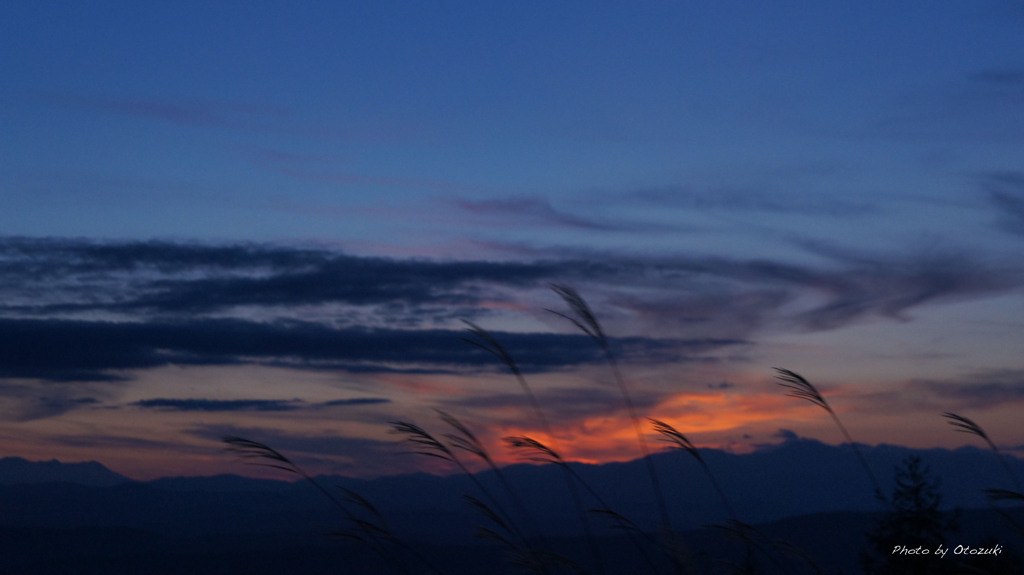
(221, 405)
(199, 304)
(66, 350)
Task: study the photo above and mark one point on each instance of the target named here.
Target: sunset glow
(280, 227)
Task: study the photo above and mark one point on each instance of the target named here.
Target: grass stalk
(484, 340)
(966, 425)
(466, 440)
(487, 342)
(754, 540)
(257, 453)
(369, 533)
(584, 319)
(680, 441)
(538, 452)
(800, 388)
(426, 444)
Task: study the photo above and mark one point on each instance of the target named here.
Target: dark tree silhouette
(906, 539)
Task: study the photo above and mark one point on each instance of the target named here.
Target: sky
(272, 220)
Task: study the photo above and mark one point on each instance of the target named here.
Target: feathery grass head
(582, 316)
(966, 425)
(536, 450)
(261, 454)
(680, 441)
(465, 439)
(800, 388)
(423, 442)
(487, 342)
(677, 439)
(586, 321)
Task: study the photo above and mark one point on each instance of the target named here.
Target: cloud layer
(94, 311)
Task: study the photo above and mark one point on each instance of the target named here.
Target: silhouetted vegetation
(910, 537)
(906, 538)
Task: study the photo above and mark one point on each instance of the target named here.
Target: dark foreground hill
(812, 496)
(831, 541)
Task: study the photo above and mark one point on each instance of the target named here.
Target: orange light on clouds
(606, 438)
(703, 413)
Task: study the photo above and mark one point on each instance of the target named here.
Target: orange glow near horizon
(602, 439)
(703, 413)
(147, 444)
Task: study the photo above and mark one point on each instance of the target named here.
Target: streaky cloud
(234, 115)
(161, 292)
(1012, 77)
(110, 441)
(981, 106)
(356, 401)
(522, 211)
(58, 402)
(219, 404)
(1006, 194)
(223, 405)
(747, 199)
(978, 390)
(889, 286)
(54, 276)
(72, 350)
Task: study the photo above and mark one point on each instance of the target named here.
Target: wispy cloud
(1011, 77)
(353, 178)
(1006, 193)
(529, 211)
(119, 442)
(93, 311)
(23, 401)
(889, 285)
(748, 199)
(66, 350)
(980, 390)
(103, 312)
(221, 405)
(354, 401)
(572, 404)
(233, 115)
(43, 405)
(980, 106)
(53, 276)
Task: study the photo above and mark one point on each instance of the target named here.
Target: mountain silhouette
(811, 494)
(16, 470)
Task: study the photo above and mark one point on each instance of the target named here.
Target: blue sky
(831, 187)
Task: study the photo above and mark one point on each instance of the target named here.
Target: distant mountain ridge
(806, 492)
(17, 470)
(795, 477)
